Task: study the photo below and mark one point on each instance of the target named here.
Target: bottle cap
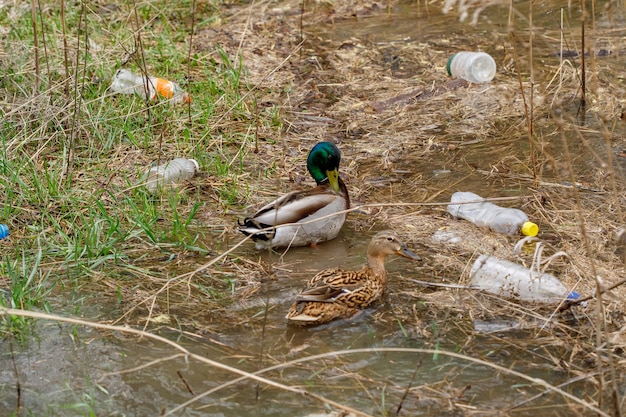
(449, 63)
(573, 295)
(4, 231)
(530, 229)
(195, 164)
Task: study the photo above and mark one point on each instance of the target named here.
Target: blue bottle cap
(4, 231)
(573, 296)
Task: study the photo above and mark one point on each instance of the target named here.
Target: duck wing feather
(294, 207)
(329, 284)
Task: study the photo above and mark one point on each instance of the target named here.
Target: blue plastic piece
(573, 296)
(4, 231)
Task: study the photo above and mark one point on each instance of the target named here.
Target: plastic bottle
(482, 213)
(125, 82)
(508, 279)
(4, 231)
(475, 67)
(174, 171)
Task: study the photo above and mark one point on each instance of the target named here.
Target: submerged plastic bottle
(4, 231)
(483, 213)
(475, 67)
(125, 82)
(508, 279)
(174, 171)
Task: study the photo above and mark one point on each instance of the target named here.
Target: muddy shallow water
(372, 382)
(72, 370)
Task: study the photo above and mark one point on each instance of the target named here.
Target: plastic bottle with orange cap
(125, 82)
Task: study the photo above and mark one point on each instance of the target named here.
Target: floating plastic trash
(472, 207)
(511, 280)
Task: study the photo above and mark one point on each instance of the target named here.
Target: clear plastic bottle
(475, 67)
(4, 231)
(125, 82)
(483, 213)
(508, 279)
(174, 171)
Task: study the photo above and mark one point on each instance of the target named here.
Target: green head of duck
(323, 164)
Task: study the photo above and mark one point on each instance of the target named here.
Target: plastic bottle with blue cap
(511, 280)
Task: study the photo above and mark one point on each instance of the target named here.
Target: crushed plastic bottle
(475, 67)
(483, 213)
(511, 280)
(174, 171)
(4, 231)
(125, 82)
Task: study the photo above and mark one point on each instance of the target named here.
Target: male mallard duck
(335, 293)
(330, 196)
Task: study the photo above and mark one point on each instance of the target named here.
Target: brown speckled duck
(336, 293)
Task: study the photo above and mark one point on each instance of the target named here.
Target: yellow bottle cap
(530, 229)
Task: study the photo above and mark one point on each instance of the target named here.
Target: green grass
(29, 288)
(71, 164)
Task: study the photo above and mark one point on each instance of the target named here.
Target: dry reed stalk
(600, 325)
(408, 388)
(45, 48)
(66, 81)
(583, 72)
(531, 103)
(193, 28)
(70, 143)
(33, 9)
(18, 385)
(140, 57)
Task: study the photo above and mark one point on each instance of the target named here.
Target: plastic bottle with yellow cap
(474, 208)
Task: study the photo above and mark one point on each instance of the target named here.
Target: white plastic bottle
(475, 67)
(174, 171)
(511, 280)
(125, 82)
(485, 214)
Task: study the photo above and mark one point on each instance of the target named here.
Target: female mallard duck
(330, 196)
(335, 293)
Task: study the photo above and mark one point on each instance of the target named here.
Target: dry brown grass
(347, 91)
